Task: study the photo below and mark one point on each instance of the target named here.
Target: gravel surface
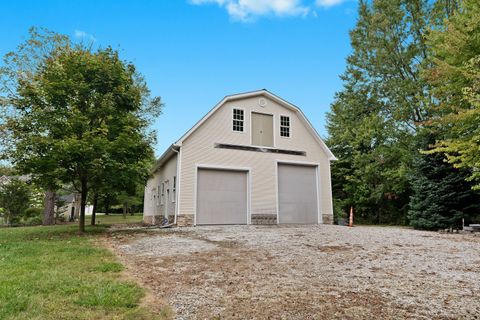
(306, 272)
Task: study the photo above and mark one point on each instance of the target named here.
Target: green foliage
(14, 199)
(33, 216)
(370, 174)
(389, 49)
(387, 100)
(80, 117)
(33, 221)
(455, 79)
(33, 212)
(441, 195)
(6, 170)
(371, 124)
(18, 71)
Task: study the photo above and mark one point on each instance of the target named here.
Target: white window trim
(289, 126)
(174, 188)
(162, 194)
(244, 120)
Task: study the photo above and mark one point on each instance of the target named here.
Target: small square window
(238, 120)
(284, 126)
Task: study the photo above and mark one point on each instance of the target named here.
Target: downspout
(177, 189)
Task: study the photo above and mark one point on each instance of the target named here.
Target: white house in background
(70, 206)
(7, 179)
(253, 159)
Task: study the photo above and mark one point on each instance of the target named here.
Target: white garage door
(297, 194)
(221, 197)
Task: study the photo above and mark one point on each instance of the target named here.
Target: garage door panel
(221, 197)
(297, 193)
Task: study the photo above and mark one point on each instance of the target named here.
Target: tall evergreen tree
(441, 195)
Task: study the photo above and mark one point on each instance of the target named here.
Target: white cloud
(247, 10)
(84, 36)
(328, 3)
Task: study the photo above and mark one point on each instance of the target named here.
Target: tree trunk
(106, 201)
(49, 211)
(94, 210)
(125, 207)
(83, 203)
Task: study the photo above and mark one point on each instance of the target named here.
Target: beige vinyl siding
(153, 206)
(198, 149)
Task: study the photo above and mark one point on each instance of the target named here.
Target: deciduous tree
(372, 123)
(87, 111)
(455, 80)
(19, 69)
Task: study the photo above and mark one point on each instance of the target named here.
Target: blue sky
(194, 52)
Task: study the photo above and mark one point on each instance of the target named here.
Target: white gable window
(284, 126)
(238, 120)
(174, 189)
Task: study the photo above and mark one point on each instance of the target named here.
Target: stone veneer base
(327, 219)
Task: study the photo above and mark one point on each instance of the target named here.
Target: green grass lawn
(53, 273)
(115, 219)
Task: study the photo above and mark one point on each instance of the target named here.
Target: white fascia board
(165, 156)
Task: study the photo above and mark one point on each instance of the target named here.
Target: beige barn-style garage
(253, 159)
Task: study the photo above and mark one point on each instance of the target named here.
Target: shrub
(34, 221)
(33, 212)
(15, 220)
(14, 199)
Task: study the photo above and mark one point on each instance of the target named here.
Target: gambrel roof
(265, 93)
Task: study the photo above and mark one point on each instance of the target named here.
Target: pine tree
(441, 195)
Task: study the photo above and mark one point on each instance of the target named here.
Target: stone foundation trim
(155, 220)
(327, 218)
(185, 220)
(264, 219)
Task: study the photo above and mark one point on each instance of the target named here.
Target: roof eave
(167, 154)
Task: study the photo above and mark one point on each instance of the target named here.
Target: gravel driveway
(306, 272)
